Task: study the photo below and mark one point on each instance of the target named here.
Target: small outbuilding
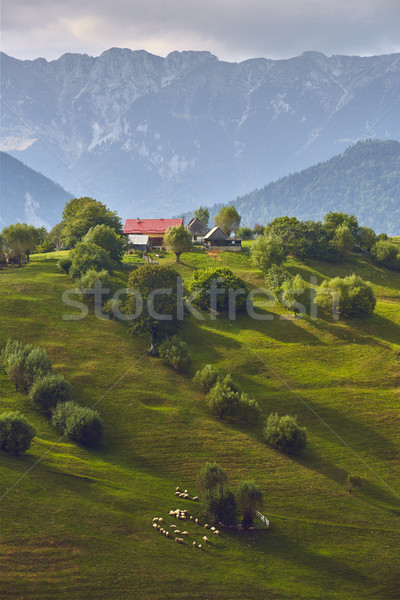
(197, 229)
(138, 242)
(217, 238)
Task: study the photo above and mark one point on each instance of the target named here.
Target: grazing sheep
(177, 532)
(196, 521)
(179, 540)
(206, 526)
(155, 525)
(182, 495)
(160, 519)
(177, 489)
(155, 519)
(186, 496)
(216, 532)
(194, 544)
(185, 492)
(177, 493)
(205, 538)
(200, 546)
(195, 498)
(173, 526)
(212, 528)
(167, 534)
(185, 533)
(191, 518)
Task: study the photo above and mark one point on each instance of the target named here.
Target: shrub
(222, 401)
(89, 279)
(248, 410)
(37, 365)
(349, 295)
(79, 423)
(343, 240)
(266, 251)
(175, 353)
(353, 482)
(89, 256)
(249, 500)
(48, 391)
(386, 253)
(206, 378)
(293, 294)
(230, 383)
(274, 280)
(64, 264)
(24, 363)
(16, 433)
(221, 505)
(210, 476)
(106, 237)
(231, 289)
(284, 433)
(246, 233)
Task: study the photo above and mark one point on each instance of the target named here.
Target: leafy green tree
(274, 279)
(81, 214)
(178, 240)
(386, 253)
(293, 294)
(221, 505)
(202, 213)
(333, 220)
(266, 251)
(350, 296)
(228, 289)
(285, 434)
(248, 409)
(47, 391)
(249, 500)
(152, 305)
(16, 433)
(89, 256)
(206, 378)
(105, 237)
(228, 219)
(89, 279)
(210, 476)
(366, 237)
(19, 240)
(245, 233)
(353, 482)
(259, 229)
(64, 264)
(175, 352)
(80, 424)
(343, 240)
(25, 364)
(287, 229)
(222, 400)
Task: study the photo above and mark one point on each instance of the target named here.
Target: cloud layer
(231, 29)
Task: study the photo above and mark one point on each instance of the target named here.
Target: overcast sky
(231, 29)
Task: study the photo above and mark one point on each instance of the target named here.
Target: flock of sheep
(182, 515)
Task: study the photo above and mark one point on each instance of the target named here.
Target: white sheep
(194, 544)
(177, 493)
(205, 538)
(186, 496)
(196, 521)
(177, 489)
(160, 519)
(179, 540)
(191, 518)
(155, 519)
(195, 498)
(185, 492)
(173, 526)
(206, 526)
(216, 532)
(212, 528)
(177, 532)
(200, 546)
(185, 533)
(182, 495)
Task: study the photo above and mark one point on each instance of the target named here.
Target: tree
(248, 410)
(64, 264)
(105, 237)
(293, 294)
(81, 214)
(210, 476)
(152, 303)
(386, 253)
(333, 220)
(218, 289)
(16, 433)
(266, 251)
(89, 256)
(366, 237)
(249, 500)
(80, 424)
(350, 296)
(222, 400)
(285, 434)
(206, 378)
(343, 240)
(274, 279)
(202, 214)
(245, 233)
(221, 505)
(19, 240)
(175, 353)
(47, 391)
(228, 219)
(178, 240)
(353, 482)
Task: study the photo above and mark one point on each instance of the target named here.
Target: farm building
(153, 228)
(138, 242)
(216, 238)
(197, 229)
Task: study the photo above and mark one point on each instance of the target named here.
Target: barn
(217, 238)
(153, 228)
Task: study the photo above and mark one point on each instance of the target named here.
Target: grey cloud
(233, 30)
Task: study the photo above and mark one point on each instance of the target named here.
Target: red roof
(148, 226)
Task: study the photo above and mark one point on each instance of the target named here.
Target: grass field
(76, 523)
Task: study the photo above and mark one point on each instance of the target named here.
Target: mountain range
(150, 135)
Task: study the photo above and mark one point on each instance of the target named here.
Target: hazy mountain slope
(28, 196)
(364, 180)
(148, 134)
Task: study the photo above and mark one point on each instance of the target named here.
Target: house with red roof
(154, 228)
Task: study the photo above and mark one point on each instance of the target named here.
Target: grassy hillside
(77, 522)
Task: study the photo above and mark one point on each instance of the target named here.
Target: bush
(16, 433)
(230, 383)
(353, 482)
(249, 500)
(349, 296)
(37, 365)
(64, 264)
(24, 363)
(106, 237)
(175, 353)
(221, 505)
(89, 256)
(88, 280)
(266, 251)
(274, 280)
(48, 391)
(222, 401)
(386, 254)
(80, 424)
(206, 378)
(210, 476)
(293, 294)
(248, 410)
(284, 433)
(205, 280)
